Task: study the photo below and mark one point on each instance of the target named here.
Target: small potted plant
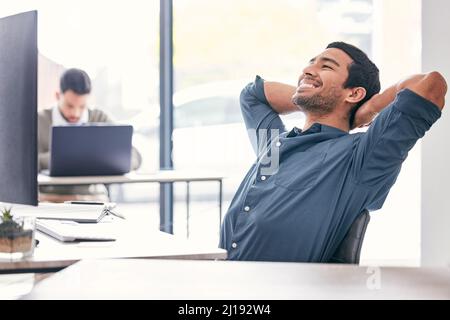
(16, 235)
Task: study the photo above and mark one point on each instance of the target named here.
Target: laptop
(69, 231)
(90, 150)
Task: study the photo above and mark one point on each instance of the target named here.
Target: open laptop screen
(94, 149)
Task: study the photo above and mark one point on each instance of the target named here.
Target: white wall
(435, 211)
(393, 234)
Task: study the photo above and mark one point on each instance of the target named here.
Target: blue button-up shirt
(299, 199)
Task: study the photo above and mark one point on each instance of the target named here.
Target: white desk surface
(160, 176)
(134, 240)
(229, 280)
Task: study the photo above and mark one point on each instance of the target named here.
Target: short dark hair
(361, 73)
(76, 80)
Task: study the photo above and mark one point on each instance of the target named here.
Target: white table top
(134, 240)
(160, 176)
(230, 280)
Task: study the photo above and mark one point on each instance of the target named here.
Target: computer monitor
(18, 109)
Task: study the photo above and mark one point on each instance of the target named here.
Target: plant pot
(17, 238)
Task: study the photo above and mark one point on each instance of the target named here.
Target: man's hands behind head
(365, 114)
(431, 86)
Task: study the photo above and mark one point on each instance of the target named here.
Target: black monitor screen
(18, 108)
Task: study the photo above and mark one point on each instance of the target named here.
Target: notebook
(63, 211)
(69, 231)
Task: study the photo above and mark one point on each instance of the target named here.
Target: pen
(116, 214)
(85, 202)
(108, 206)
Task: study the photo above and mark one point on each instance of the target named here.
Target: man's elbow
(246, 97)
(431, 86)
(136, 159)
(435, 88)
(438, 80)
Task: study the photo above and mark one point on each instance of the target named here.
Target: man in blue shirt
(308, 185)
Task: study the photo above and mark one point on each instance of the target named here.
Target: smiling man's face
(321, 85)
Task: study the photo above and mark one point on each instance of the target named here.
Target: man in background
(71, 109)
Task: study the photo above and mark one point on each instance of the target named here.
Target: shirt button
(234, 245)
(263, 178)
(247, 209)
(278, 144)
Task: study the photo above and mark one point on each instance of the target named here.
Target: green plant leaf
(6, 214)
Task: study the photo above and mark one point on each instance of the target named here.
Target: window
(217, 41)
(116, 42)
(234, 41)
(207, 112)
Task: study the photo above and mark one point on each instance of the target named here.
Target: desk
(134, 240)
(230, 280)
(166, 176)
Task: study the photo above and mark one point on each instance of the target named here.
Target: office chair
(350, 248)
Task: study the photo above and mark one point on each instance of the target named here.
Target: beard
(318, 104)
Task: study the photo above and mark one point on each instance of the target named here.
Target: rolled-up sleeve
(262, 122)
(380, 152)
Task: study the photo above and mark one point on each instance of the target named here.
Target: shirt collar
(315, 128)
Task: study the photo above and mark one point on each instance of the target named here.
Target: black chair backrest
(350, 248)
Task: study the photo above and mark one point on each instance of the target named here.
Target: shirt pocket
(300, 171)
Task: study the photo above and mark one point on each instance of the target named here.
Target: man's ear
(355, 95)
(57, 95)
